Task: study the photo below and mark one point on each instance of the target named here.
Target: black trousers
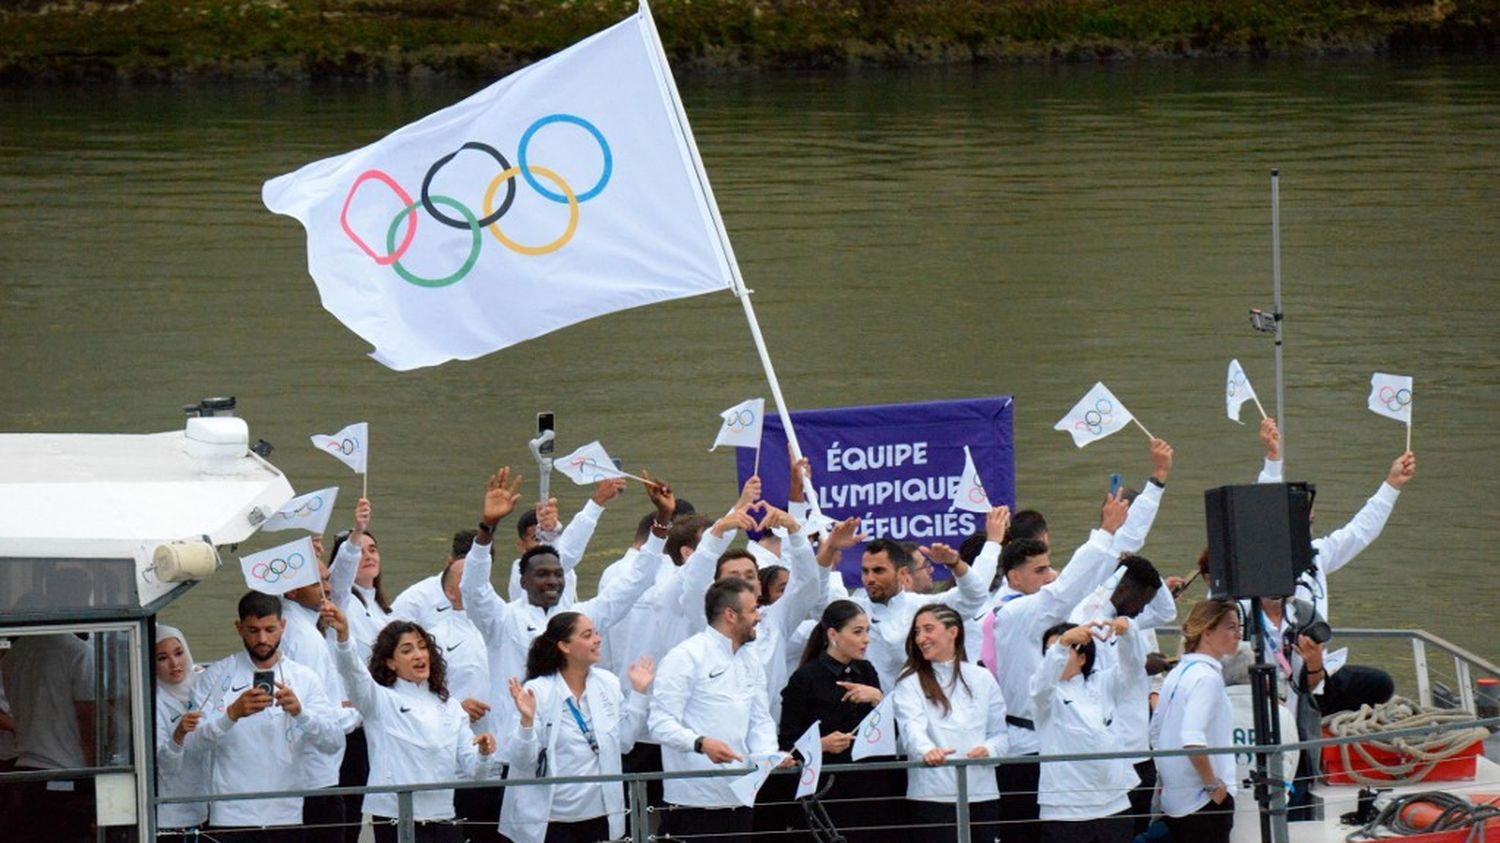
(41, 815)
(583, 831)
(1116, 828)
(1209, 824)
(1018, 809)
(710, 825)
(478, 809)
(1140, 796)
(434, 831)
(1355, 685)
(937, 822)
(354, 772)
(325, 818)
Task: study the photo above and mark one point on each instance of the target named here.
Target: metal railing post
(1419, 660)
(961, 810)
(640, 820)
(1465, 686)
(406, 824)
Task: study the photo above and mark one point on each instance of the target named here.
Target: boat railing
(640, 812)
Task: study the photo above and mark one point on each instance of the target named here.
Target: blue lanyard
(588, 733)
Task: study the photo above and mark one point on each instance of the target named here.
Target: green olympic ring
(468, 215)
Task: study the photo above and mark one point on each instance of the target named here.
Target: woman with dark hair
(417, 733)
(1074, 701)
(354, 580)
(573, 721)
(1193, 710)
(947, 706)
(837, 688)
(773, 580)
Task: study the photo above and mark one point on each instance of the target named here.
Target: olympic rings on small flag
(741, 420)
(872, 733)
(403, 228)
(1233, 387)
(1395, 400)
(977, 495)
(346, 447)
(1095, 420)
(277, 568)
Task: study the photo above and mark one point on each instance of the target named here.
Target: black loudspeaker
(1259, 539)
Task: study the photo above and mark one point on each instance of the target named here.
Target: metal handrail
(868, 766)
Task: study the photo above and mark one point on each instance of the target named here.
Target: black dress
(859, 804)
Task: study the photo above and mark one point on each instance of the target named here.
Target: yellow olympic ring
(494, 227)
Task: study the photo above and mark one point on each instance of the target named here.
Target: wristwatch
(698, 744)
(487, 529)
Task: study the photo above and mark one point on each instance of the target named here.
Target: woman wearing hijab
(181, 758)
(416, 731)
(573, 721)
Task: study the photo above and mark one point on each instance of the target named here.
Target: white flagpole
(686, 136)
(1142, 427)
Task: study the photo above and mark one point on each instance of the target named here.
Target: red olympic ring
(411, 230)
(263, 569)
(976, 495)
(809, 775)
(1395, 400)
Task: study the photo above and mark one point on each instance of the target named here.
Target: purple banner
(896, 466)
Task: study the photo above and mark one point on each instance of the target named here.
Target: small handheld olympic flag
(876, 734)
(1098, 414)
(810, 745)
(282, 568)
(1390, 396)
(305, 512)
(351, 446)
(970, 496)
(742, 425)
(1237, 390)
(591, 464)
(745, 787)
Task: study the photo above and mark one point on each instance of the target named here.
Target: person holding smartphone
(416, 731)
(181, 757)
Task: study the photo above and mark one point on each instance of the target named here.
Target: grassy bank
(152, 39)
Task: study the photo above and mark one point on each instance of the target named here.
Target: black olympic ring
(510, 188)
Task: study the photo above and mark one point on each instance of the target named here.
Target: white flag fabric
(742, 423)
(876, 734)
(351, 446)
(1390, 396)
(970, 495)
(1095, 416)
(565, 191)
(305, 512)
(588, 465)
(282, 568)
(745, 787)
(1237, 390)
(810, 745)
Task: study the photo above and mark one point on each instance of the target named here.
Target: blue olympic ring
(588, 127)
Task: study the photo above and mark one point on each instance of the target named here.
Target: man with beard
(509, 627)
(259, 739)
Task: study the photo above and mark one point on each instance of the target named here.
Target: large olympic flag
(565, 191)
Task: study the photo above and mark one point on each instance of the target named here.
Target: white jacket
(1080, 715)
(976, 718)
(263, 751)
(464, 652)
(891, 621)
(528, 808)
(414, 738)
(180, 768)
(704, 688)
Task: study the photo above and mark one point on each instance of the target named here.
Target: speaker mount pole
(1267, 776)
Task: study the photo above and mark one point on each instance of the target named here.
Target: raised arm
(358, 685)
(804, 577)
(1090, 566)
(1131, 536)
(1339, 548)
(345, 565)
(1270, 435)
(574, 541)
(482, 604)
(972, 593)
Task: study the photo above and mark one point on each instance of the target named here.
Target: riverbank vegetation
(157, 39)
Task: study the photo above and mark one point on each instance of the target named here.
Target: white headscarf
(182, 691)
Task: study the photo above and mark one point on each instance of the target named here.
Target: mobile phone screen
(1114, 484)
(265, 680)
(545, 422)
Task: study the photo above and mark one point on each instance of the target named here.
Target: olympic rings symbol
(346, 447)
(809, 774)
(872, 733)
(277, 568)
(1395, 400)
(307, 508)
(977, 495)
(1095, 420)
(580, 463)
(402, 231)
(741, 420)
(1233, 387)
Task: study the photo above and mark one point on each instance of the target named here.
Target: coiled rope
(1456, 814)
(1419, 755)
